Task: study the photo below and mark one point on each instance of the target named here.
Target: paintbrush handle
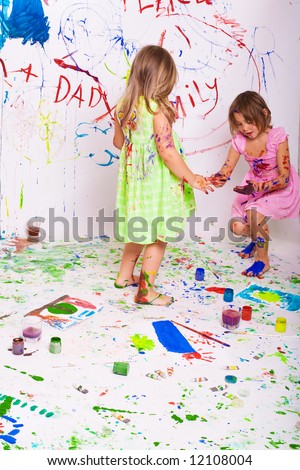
(202, 334)
(40, 309)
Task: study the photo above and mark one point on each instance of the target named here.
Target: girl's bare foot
(121, 283)
(154, 298)
(258, 268)
(249, 251)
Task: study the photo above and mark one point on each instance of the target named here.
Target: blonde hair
(254, 109)
(153, 76)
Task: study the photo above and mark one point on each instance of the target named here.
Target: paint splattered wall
(63, 66)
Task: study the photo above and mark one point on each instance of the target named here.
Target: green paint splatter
(295, 446)
(177, 419)
(281, 356)
(21, 196)
(142, 343)
(191, 417)
(5, 406)
(74, 442)
(104, 408)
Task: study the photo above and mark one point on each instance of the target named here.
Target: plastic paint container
(55, 345)
(228, 295)
(246, 312)
(121, 368)
(230, 379)
(280, 325)
(199, 275)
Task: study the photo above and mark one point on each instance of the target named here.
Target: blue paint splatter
(171, 338)
(27, 21)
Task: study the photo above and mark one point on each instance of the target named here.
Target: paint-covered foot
(249, 251)
(121, 283)
(257, 269)
(154, 298)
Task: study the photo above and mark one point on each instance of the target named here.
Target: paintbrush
(208, 266)
(201, 333)
(36, 311)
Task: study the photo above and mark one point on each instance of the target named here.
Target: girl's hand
(249, 188)
(218, 179)
(202, 183)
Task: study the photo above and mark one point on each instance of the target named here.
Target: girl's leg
(130, 256)
(260, 234)
(241, 228)
(153, 256)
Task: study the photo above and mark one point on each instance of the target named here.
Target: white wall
(56, 154)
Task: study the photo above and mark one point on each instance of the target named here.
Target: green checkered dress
(152, 203)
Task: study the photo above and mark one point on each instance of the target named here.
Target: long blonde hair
(153, 76)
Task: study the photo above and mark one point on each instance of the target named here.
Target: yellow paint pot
(280, 325)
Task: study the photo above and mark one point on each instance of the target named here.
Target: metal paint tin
(18, 346)
(55, 345)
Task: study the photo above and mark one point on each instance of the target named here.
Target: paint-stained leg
(121, 283)
(249, 251)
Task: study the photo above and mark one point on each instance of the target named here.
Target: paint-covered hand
(202, 183)
(218, 179)
(249, 188)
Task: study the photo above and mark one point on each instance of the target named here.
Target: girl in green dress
(155, 185)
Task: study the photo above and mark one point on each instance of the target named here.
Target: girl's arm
(118, 139)
(167, 151)
(220, 178)
(280, 182)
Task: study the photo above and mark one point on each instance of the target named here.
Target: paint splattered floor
(42, 405)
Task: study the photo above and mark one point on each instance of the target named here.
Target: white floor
(42, 408)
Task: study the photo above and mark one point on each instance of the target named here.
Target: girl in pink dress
(271, 187)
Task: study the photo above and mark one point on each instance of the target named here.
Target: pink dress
(278, 204)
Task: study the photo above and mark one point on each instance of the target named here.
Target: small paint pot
(246, 312)
(18, 346)
(228, 295)
(199, 274)
(230, 379)
(121, 368)
(55, 345)
(280, 325)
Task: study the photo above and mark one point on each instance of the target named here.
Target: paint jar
(33, 229)
(55, 345)
(121, 368)
(231, 316)
(18, 346)
(32, 328)
(199, 274)
(280, 325)
(246, 312)
(228, 295)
